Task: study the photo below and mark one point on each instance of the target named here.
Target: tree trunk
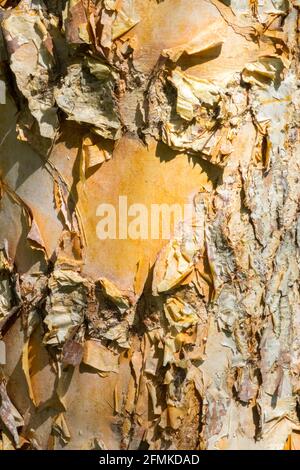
(115, 334)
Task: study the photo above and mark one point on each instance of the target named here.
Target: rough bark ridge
(191, 343)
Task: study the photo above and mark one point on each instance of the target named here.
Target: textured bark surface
(191, 343)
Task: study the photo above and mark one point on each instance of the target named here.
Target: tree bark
(190, 341)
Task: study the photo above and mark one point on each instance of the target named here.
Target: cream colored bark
(191, 343)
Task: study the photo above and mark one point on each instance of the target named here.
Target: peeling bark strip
(189, 343)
